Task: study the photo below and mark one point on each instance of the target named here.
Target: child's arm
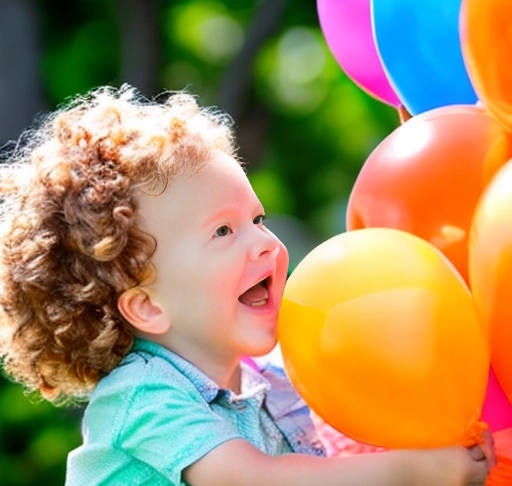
(237, 463)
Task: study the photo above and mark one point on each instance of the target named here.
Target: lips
(257, 295)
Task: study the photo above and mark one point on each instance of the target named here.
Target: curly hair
(70, 244)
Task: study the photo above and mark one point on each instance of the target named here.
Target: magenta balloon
(347, 28)
(496, 409)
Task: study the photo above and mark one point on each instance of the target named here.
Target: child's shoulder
(144, 382)
(146, 370)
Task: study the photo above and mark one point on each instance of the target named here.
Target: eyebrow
(225, 212)
(221, 213)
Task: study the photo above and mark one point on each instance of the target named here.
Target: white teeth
(259, 304)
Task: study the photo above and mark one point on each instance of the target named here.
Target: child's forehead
(218, 174)
(220, 185)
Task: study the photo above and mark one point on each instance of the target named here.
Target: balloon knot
(475, 434)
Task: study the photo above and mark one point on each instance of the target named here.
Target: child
(136, 273)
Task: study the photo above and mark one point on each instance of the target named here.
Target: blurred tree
(21, 93)
(304, 128)
(140, 43)
(236, 80)
(34, 439)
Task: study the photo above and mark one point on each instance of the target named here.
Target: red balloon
(427, 176)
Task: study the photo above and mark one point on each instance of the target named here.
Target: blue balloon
(419, 46)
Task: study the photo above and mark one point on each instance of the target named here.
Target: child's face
(212, 253)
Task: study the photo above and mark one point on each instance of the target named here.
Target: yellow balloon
(380, 337)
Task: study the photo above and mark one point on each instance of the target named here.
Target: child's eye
(223, 231)
(259, 219)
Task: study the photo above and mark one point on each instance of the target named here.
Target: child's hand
(483, 459)
(487, 448)
(454, 466)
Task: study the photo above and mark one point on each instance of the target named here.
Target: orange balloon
(426, 177)
(379, 336)
(490, 264)
(485, 27)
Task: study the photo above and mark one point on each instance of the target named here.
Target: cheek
(282, 265)
(222, 280)
(212, 274)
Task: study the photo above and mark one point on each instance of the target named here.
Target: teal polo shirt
(156, 414)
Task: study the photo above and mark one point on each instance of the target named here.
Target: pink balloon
(347, 28)
(496, 410)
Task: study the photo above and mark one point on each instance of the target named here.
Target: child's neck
(225, 372)
(226, 375)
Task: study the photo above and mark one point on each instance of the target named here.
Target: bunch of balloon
(380, 337)
(373, 40)
(429, 179)
(487, 50)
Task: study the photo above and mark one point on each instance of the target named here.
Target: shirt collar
(253, 383)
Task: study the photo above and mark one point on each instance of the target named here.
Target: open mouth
(257, 295)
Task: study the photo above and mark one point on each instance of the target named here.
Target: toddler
(136, 272)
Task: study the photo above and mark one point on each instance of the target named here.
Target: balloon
(347, 28)
(496, 409)
(419, 46)
(427, 176)
(380, 337)
(486, 47)
(490, 271)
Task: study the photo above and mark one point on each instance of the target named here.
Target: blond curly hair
(70, 244)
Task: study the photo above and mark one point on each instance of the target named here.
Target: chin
(262, 347)
(259, 335)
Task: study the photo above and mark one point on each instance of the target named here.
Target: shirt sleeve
(148, 422)
(99, 464)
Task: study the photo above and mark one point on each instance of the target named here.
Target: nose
(264, 242)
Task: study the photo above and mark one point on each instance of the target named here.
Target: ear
(141, 312)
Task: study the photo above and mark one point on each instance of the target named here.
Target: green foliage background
(305, 131)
